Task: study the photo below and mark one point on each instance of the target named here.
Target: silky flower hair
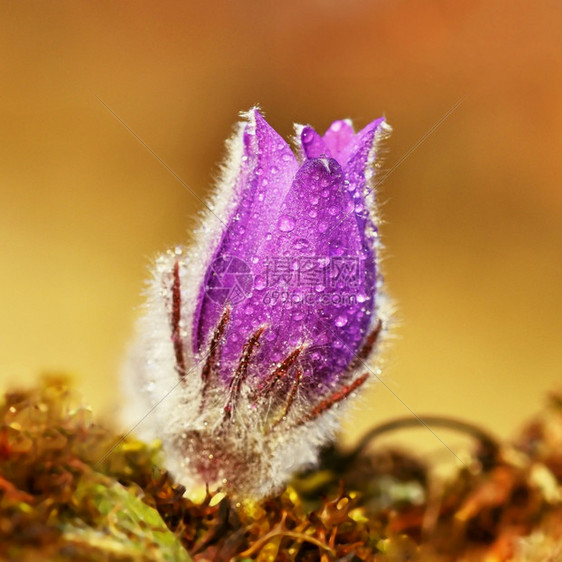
(254, 336)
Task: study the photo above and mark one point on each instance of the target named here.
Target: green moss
(72, 489)
(57, 501)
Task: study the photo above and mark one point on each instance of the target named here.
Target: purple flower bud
(264, 325)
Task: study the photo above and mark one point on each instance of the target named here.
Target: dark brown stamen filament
(290, 399)
(176, 322)
(209, 368)
(241, 371)
(279, 372)
(214, 347)
(334, 398)
(367, 347)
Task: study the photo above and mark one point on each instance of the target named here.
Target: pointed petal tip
(312, 143)
(377, 126)
(251, 113)
(385, 128)
(338, 137)
(341, 126)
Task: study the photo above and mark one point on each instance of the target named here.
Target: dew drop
(260, 283)
(286, 223)
(313, 213)
(322, 227)
(298, 315)
(336, 250)
(340, 321)
(300, 243)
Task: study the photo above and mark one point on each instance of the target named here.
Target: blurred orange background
(473, 225)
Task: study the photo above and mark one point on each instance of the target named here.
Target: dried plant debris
(71, 489)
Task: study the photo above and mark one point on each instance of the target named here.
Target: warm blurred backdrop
(473, 216)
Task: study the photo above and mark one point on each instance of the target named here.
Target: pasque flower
(258, 331)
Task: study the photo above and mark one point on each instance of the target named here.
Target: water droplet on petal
(286, 223)
(260, 283)
(300, 243)
(336, 250)
(341, 320)
(298, 315)
(313, 213)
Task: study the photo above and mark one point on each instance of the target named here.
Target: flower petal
(339, 136)
(360, 156)
(309, 282)
(312, 144)
(267, 169)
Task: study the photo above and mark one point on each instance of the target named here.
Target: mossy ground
(74, 489)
